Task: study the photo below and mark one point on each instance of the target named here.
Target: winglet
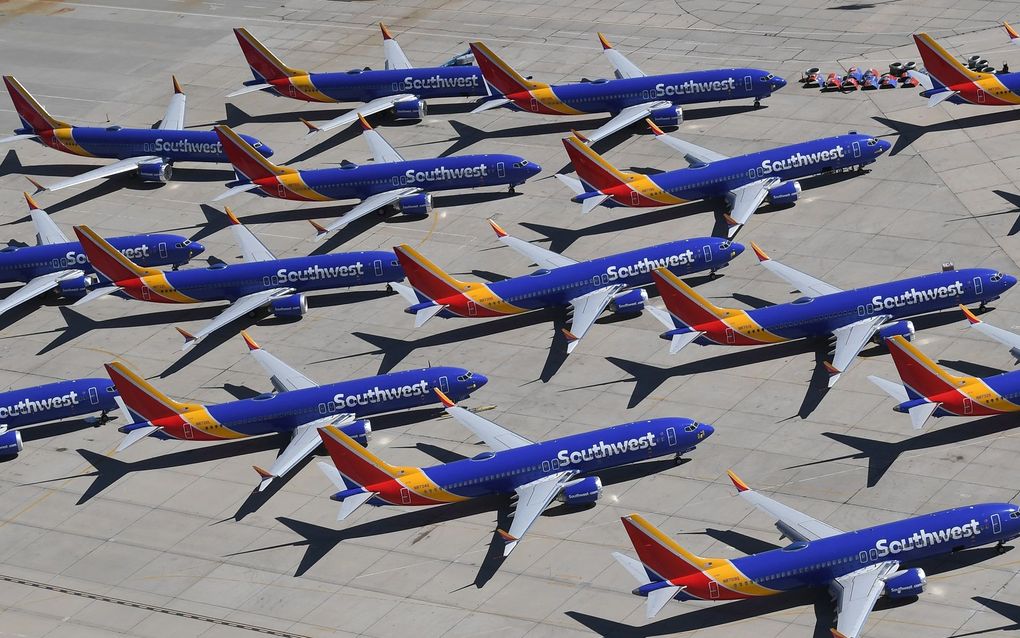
(231, 216)
(655, 127)
(1013, 35)
(263, 473)
(738, 482)
(831, 369)
(446, 401)
(364, 123)
(605, 42)
(496, 227)
(580, 136)
(177, 86)
(507, 536)
(729, 220)
(249, 341)
(188, 337)
(38, 187)
(319, 228)
(31, 202)
(762, 255)
(386, 35)
(311, 127)
(971, 317)
(837, 633)
(571, 337)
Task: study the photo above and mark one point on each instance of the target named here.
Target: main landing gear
(96, 421)
(511, 189)
(1000, 547)
(679, 458)
(757, 103)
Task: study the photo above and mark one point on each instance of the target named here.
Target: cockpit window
(766, 78)
(521, 164)
(187, 242)
(1014, 514)
(465, 377)
(692, 427)
(996, 277)
(872, 142)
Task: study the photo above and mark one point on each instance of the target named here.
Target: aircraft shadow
(1012, 199)
(741, 542)
(907, 134)
(969, 368)
(1010, 611)
(881, 455)
(43, 431)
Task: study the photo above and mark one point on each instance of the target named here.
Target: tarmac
(167, 538)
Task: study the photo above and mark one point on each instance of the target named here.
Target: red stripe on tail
(106, 259)
(916, 370)
(139, 396)
(682, 302)
(589, 165)
(261, 60)
(426, 277)
(498, 73)
(29, 109)
(939, 64)
(354, 461)
(653, 552)
(246, 159)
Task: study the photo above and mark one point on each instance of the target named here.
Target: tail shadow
(908, 133)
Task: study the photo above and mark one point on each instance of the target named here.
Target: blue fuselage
(121, 143)
(55, 401)
(363, 86)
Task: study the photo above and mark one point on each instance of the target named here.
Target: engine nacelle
(155, 172)
(289, 306)
(903, 329)
(629, 301)
(668, 116)
(10, 443)
(906, 584)
(360, 431)
(784, 193)
(410, 110)
(417, 205)
(73, 287)
(581, 492)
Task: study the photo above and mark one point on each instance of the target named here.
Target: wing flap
(856, 594)
(371, 204)
(587, 309)
(36, 287)
(368, 108)
(123, 166)
(236, 310)
(532, 499)
(850, 340)
(625, 118)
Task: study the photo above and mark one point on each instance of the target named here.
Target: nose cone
(883, 146)
(778, 83)
(1008, 281)
(707, 429)
(196, 248)
(735, 249)
(478, 380)
(533, 169)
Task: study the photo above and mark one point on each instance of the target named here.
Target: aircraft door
(405, 496)
(378, 267)
(978, 285)
(188, 432)
(534, 105)
(292, 90)
(713, 590)
(635, 198)
(748, 83)
(731, 338)
(472, 309)
(968, 405)
(996, 524)
(162, 250)
(280, 190)
(863, 557)
(500, 169)
(444, 384)
(671, 436)
(708, 252)
(94, 395)
(857, 149)
(980, 96)
(145, 292)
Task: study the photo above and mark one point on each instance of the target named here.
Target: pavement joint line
(154, 608)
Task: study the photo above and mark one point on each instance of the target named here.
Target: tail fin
(355, 462)
(426, 277)
(499, 74)
(940, 65)
(264, 65)
(140, 397)
(246, 161)
(690, 308)
(32, 114)
(659, 553)
(594, 171)
(107, 260)
(922, 377)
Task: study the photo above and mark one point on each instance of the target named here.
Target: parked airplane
(297, 405)
(744, 181)
(853, 317)
(536, 473)
(51, 402)
(929, 389)
(401, 87)
(588, 287)
(265, 281)
(57, 263)
(857, 567)
(390, 181)
(945, 79)
(630, 98)
(150, 152)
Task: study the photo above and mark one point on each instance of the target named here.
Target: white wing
(381, 149)
(624, 67)
(495, 436)
(856, 595)
(236, 310)
(587, 309)
(395, 58)
(791, 523)
(544, 258)
(625, 118)
(303, 442)
(369, 205)
(801, 281)
(1009, 339)
(46, 232)
(123, 166)
(282, 376)
(532, 499)
(350, 117)
(745, 200)
(173, 119)
(251, 246)
(850, 340)
(693, 153)
(36, 287)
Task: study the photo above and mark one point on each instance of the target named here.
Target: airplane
(588, 287)
(631, 97)
(150, 152)
(857, 567)
(744, 181)
(52, 402)
(853, 317)
(945, 79)
(929, 390)
(402, 87)
(390, 180)
(535, 473)
(58, 263)
(263, 282)
(297, 405)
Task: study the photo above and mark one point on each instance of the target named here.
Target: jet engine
(410, 110)
(906, 584)
(784, 193)
(360, 431)
(289, 306)
(668, 116)
(581, 492)
(75, 287)
(629, 301)
(904, 329)
(155, 172)
(10, 442)
(417, 205)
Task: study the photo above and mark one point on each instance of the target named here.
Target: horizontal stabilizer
(893, 389)
(634, 567)
(658, 598)
(919, 414)
(923, 79)
(939, 98)
(406, 292)
(243, 188)
(425, 314)
(591, 203)
(352, 503)
(680, 341)
(96, 294)
(249, 89)
(662, 316)
(15, 138)
(572, 183)
(490, 104)
(134, 436)
(333, 475)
